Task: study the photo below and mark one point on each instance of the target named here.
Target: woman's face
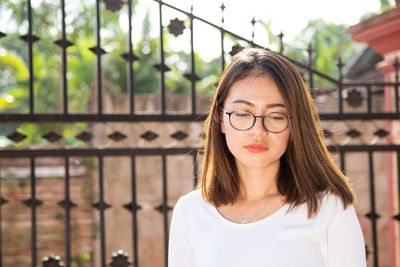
(255, 147)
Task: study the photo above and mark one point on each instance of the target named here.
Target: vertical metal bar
(1, 236)
(64, 60)
(102, 205)
(369, 99)
(342, 162)
(192, 76)
(162, 72)
(67, 215)
(33, 211)
(222, 38)
(195, 169)
(310, 70)
(130, 62)
(134, 217)
(98, 66)
(281, 44)
(398, 184)
(340, 86)
(222, 51)
(30, 56)
(165, 206)
(372, 212)
(396, 86)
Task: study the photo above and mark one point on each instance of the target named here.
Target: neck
(257, 184)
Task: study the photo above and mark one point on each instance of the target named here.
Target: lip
(256, 148)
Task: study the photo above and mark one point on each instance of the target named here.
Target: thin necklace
(244, 220)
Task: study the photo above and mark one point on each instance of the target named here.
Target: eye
(277, 116)
(242, 114)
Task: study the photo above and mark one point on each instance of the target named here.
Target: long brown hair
(307, 170)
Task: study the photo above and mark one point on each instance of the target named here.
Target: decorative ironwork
(16, 137)
(120, 259)
(128, 206)
(191, 76)
(236, 49)
(339, 63)
(179, 135)
(52, 137)
(162, 207)
(35, 202)
(84, 136)
(372, 215)
(327, 133)
(354, 98)
(113, 5)
(101, 205)
(353, 133)
(130, 58)
(381, 133)
(3, 201)
(117, 136)
(2, 34)
(149, 136)
(29, 38)
(161, 67)
(307, 71)
(97, 50)
(176, 27)
(66, 204)
(52, 261)
(64, 43)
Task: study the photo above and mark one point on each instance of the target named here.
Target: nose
(258, 128)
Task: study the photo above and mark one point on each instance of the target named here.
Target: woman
(270, 194)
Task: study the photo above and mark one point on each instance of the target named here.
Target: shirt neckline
(224, 220)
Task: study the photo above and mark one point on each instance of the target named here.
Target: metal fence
(66, 203)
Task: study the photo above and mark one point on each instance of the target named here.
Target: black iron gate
(359, 91)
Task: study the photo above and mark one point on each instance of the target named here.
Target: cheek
(283, 140)
(233, 139)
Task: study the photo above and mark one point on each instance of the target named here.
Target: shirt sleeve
(345, 241)
(180, 251)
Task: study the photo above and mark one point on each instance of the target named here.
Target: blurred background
(102, 106)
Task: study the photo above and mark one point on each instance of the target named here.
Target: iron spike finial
(280, 36)
(340, 66)
(310, 48)
(253, 22)
(222, 6)
(339, 63)
(222, 13)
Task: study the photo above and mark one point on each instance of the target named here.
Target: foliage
(385, 6)
(329, 42)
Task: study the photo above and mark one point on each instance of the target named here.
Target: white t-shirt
(201, 237)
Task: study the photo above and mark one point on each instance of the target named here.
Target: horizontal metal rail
(87, 152)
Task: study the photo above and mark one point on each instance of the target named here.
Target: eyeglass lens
(244, 120)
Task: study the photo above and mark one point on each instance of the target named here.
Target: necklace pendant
(244, 221)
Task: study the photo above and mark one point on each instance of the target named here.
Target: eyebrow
(272, 105)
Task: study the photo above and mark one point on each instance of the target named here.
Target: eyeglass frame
(255, 119)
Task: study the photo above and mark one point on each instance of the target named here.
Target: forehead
(255, 89)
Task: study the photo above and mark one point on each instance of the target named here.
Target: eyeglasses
(274, 122)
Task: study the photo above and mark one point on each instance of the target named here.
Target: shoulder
(333, 208)
(190, 200)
